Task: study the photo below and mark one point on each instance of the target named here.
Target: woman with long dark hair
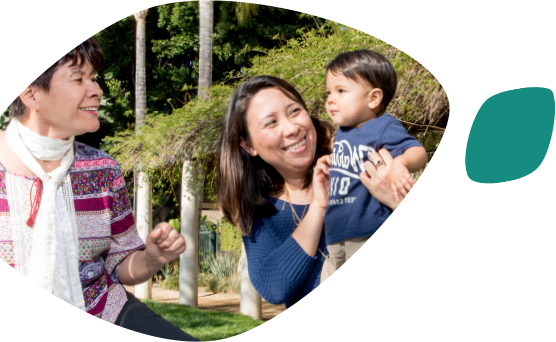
(273, 185)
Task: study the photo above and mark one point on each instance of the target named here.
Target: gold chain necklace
(296, 219)
(294, 213)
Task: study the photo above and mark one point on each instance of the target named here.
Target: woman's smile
(93, 110)
(297, 148)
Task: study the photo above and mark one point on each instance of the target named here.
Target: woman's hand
(164, 244)
(376, 178)
(321, 182)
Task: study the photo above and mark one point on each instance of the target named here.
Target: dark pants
(138, 317)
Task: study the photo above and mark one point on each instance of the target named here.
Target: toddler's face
(348, 101)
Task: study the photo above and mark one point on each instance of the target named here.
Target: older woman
(273, 185)
(65, 216)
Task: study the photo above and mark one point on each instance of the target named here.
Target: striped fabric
(107, 232)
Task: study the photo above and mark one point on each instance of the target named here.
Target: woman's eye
(79, 80)
(270, 123)
(295, 111)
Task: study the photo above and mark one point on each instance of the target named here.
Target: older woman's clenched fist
(164, 243)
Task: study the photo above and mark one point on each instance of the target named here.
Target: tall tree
(206, 23)
(245, 12)
(144, 194)
(140, 72)
(191, 201)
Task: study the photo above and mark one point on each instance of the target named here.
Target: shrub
(171, 269)
(214, 284)
(224, 274)
(171, 283)
(230, 238)
(203, 279)
(223, 265)
(230, 283)
(235, 282)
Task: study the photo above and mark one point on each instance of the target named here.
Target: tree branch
(428, 126)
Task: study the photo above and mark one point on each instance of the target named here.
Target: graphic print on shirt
(347, 163)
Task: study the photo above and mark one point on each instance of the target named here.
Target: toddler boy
(360, 85)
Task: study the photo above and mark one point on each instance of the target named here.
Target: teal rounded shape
(510, 135)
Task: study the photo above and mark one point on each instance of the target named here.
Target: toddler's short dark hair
(371, 67)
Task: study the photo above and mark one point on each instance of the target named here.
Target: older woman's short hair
(89, 51)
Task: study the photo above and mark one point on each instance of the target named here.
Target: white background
(457, 261)
(493, 281)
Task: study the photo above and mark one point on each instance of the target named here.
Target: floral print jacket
(106, 228)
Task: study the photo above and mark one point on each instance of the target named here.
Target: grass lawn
(202, 324)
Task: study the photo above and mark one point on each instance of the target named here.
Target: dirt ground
(222, 302)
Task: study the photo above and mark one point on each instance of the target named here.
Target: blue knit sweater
(278, 267)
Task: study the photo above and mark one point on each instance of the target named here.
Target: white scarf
(54, 262)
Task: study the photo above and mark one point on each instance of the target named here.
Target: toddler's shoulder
(388, 120)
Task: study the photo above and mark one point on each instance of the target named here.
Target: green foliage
(192, 132)
(4, 120)
(224, 264)
(202, 324)
(175, 223)
(420, 99)
(171, 283)
(203, 278)
(224, 284)
(230, 237)
(204, 266)
(172, 47)
(171, 269)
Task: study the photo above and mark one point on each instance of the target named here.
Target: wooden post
(144, 225)
(251, 302)
(189, 227)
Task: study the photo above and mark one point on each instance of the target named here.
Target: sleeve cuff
(296, 264)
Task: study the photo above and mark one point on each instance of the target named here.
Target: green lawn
(202, 324)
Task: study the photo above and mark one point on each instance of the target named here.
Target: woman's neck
(35, 124)
(293, 191)
(294, 184)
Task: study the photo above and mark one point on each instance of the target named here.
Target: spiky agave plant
(223, 265)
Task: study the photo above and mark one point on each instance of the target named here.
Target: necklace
(294, 213)
(296, 218)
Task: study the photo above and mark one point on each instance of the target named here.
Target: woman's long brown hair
(244, 180)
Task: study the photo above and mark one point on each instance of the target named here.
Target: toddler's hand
(400, 179)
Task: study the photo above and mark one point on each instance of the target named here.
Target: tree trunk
(205, 48)
(144, 192)
(140, 76)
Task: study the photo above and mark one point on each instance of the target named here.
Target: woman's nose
(94, 90)
(290, 128)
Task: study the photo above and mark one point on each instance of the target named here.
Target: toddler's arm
(412, 160)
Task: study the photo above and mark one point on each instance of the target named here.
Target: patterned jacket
(105, 224)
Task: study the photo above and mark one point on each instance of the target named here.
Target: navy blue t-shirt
(352, 211)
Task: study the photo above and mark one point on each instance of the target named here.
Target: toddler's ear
(375, 99)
